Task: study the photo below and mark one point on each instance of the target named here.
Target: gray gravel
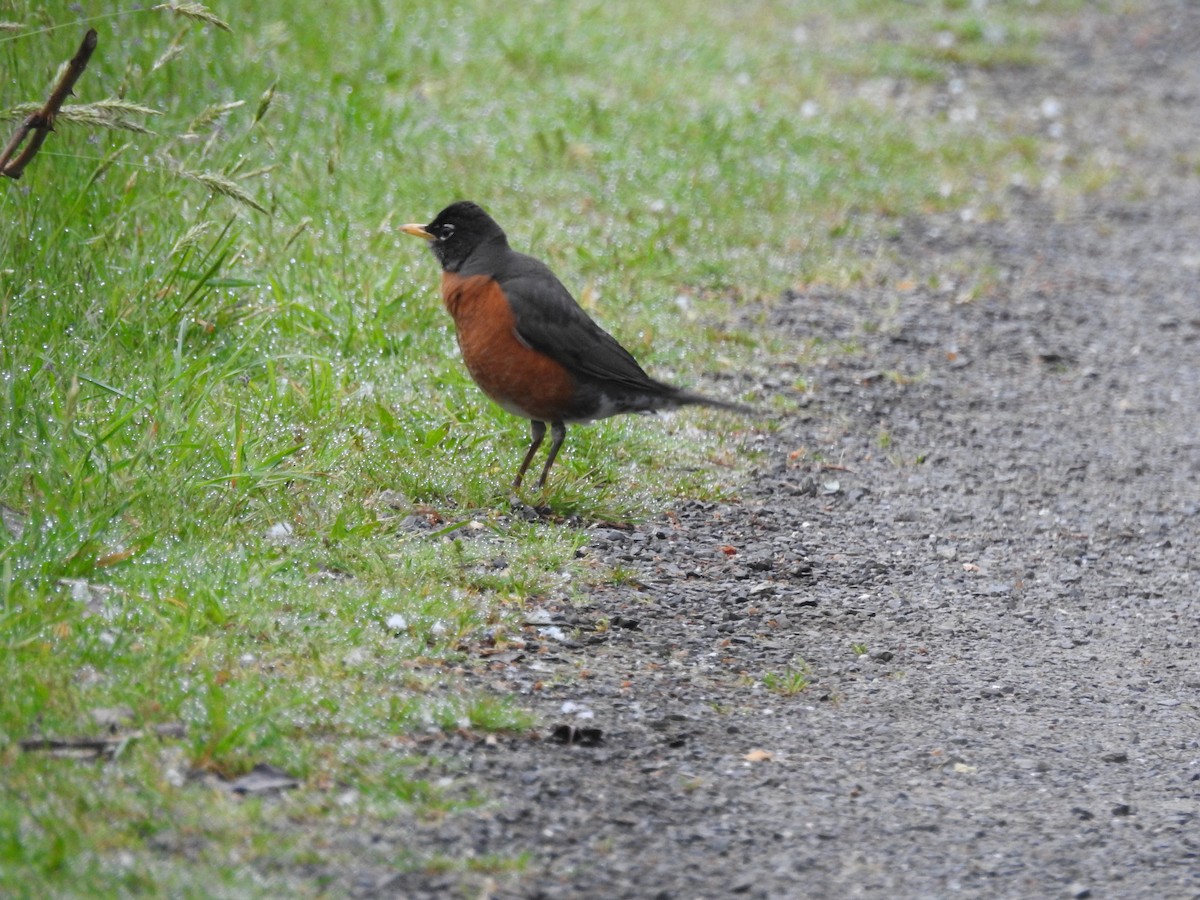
(990, 587)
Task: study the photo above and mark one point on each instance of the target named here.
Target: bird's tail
(690, 398)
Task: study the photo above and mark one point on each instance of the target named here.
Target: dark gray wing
(551, 322)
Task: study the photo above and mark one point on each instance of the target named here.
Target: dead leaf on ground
(108, 746)
(81, 747)
(263, 779)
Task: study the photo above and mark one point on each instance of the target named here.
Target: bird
(528, 344)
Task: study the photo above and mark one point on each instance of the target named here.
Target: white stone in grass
(280, 533)
(571, 708)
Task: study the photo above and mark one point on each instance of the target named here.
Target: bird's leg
(537, 431)
(558, 433)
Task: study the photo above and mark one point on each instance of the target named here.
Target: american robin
(528, 344)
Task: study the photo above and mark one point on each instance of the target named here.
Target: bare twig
(41, 123)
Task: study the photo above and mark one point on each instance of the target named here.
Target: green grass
(793, 680)
(228, 391)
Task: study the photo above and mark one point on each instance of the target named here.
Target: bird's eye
(447, 231)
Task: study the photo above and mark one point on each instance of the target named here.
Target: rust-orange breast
(518, 378)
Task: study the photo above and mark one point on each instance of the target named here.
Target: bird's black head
(459, 230)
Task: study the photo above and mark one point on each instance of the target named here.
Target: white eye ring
(447, 230)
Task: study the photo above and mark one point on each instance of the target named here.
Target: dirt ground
(988, 594)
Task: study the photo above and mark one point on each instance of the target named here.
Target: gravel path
(990, 587)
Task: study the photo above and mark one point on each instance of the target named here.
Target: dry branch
(41, 122)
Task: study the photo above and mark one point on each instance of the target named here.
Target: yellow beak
(418, 230)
